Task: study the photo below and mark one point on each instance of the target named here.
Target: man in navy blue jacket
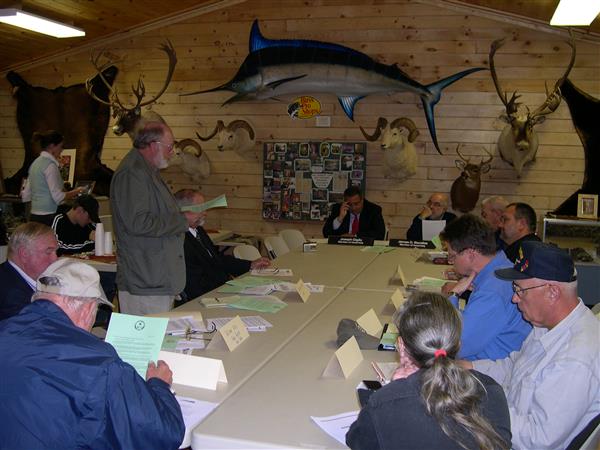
(31, 249)
(62, 387)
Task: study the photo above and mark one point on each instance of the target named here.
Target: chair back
(588, 438)
(276, 246)
(293, 238)
(247, 252)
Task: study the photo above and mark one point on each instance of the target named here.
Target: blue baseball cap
(540, 260)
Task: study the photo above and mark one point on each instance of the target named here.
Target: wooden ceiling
(102, 19)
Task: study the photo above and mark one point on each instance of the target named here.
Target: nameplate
(410, 244)
(229, 336)
(397, 298)
(344, 360)
(302, 290)
(341, 240)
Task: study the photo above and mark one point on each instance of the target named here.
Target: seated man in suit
(434, 209)
(517, 225)
(356, 216)
(31, 248)
(205, 268)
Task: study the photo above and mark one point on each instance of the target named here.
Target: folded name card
(303, 290)
(370, 322)
(397, 298)
(410, 244)
(229, 336)
(344, 360)
(195, 371)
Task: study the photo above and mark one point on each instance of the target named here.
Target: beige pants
(140, 305)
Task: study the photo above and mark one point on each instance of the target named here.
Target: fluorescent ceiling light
(575, 12)
(38, 24)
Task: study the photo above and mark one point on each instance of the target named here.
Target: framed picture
(587, 206)
(66, 164)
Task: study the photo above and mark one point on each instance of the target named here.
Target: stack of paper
(272, 271)
(252, 323)
(429, 284)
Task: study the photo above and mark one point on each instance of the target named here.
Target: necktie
(355, 225)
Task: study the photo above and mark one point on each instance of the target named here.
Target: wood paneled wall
(427, 42)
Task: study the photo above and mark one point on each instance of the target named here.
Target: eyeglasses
(436, 204)
(519, 290)
(169, 146)
(452, 254)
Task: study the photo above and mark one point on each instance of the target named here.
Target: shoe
(348, 328)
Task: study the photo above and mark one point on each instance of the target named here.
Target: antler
(140, 90)
(170, 51)
(220, 125)
(113, 98)
(553, 99)
(381, 123)
(491, 156)
(511, 105)
(466, 160)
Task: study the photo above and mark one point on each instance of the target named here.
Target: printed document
(336, 426)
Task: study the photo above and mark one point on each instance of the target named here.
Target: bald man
(435, 209)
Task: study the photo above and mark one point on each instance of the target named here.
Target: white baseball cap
(72, 278)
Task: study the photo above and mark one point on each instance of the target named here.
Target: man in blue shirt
(62, 387)
(492, 324)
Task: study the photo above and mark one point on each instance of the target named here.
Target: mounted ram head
(400, 156)
(518, 142)
(465, 189)
(194, 163)
(129, 120)
(238, 136)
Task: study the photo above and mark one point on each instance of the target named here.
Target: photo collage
(301, 180)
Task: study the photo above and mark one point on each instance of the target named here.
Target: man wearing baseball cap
(553, 383)
(62, 387)
(74, 227)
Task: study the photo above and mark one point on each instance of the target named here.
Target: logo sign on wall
(304, 107)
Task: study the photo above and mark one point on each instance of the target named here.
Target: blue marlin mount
(276, 67)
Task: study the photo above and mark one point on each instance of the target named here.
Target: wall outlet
(323, 121)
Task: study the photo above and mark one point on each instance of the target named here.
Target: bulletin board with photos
(302, 180)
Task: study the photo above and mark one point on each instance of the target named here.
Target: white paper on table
(270, 271)
(253, 323)
(291, 287)
(193, 411)
(178, 326)
(189, 344)
(432, 228)
(336, 426)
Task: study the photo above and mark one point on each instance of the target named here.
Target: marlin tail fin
(433, 98)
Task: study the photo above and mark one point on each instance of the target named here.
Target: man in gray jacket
(149, 228)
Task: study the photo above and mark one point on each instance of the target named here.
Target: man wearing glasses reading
(435, 209)
(553, 383)
(492, 325)
(149, 228)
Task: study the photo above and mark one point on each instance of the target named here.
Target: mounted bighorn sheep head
(238, 136)
(518, 141)
(465, 189)
(194, 163)
(400, 156)
(129, 120)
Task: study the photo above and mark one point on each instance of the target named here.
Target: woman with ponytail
(44, 186)
(432, 403)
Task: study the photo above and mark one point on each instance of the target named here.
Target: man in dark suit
(518, 224)
(31, 248)
(435, 209)
(205, 268)
(356, 216)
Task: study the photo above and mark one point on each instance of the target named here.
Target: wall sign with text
(301, 180)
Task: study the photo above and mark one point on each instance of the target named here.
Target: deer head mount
(518, 141)
(129, 120)
(400, 155)
(465, 189)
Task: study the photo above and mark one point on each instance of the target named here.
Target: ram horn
(405, 122)
(220, 125)
(381, 123)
